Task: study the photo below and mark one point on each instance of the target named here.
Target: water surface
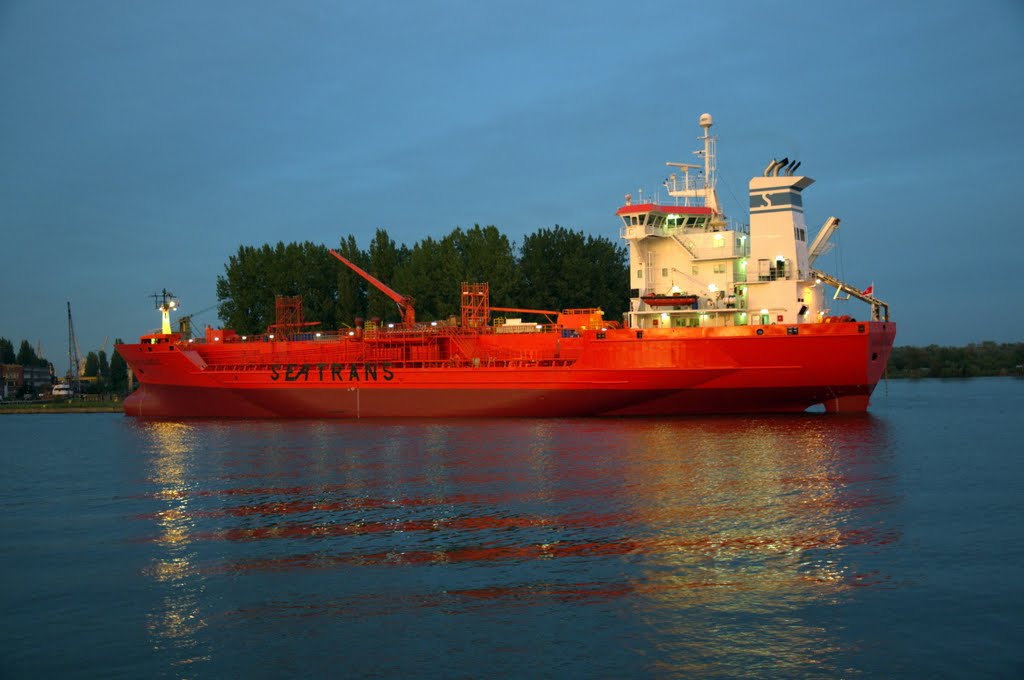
(883, 545)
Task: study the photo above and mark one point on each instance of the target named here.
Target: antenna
(165, 302)
(710, 168)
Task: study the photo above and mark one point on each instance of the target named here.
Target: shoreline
(22, 409)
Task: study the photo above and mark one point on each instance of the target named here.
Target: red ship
(724, 318)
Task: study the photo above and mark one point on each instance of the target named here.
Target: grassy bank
(68, 406)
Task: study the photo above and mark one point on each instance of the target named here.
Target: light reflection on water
(176, 623)
(698, 543)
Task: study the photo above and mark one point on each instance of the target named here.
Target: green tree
(432, 275)
(118, 371)
(254, 277)
(384, 259)
(104, 367)
(242, 292)
(92, 365)
(563, 268)
(350, 287)
(486, 256)
(7, 355)
(26, 355)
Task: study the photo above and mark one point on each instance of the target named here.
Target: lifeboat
(674, 300)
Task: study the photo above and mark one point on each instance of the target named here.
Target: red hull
(623, 372)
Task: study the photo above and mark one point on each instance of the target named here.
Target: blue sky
(141, 143)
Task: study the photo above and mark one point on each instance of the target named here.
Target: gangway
(879, 309)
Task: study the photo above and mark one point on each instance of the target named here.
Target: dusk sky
(141, 143)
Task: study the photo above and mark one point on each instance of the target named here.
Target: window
(639, 273)
(696, 270)
(719, 268)
(664, 272)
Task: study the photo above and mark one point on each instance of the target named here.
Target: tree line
(25, 356)
(101, 376)
(554, 268)
(974, 360)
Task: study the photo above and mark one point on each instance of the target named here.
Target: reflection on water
(171, 449)
(751, 522)
(706, 539)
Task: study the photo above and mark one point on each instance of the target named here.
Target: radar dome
(705, 120)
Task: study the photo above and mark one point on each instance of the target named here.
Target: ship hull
(669, 372)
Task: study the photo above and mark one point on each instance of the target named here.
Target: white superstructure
(689, 266)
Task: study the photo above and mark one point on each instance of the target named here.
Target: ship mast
(165, 302)
(684, 187)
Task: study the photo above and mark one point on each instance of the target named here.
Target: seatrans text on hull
(724, 317)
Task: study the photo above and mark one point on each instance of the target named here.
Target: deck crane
(404, 302)
(185, 322)
(821, 244)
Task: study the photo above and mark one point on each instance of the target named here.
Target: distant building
(34, 379)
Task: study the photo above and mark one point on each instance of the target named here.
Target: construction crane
(75, 363)
(404, 302)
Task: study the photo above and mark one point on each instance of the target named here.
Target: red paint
(438, 372)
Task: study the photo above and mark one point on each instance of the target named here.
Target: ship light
(271, 336)
(539, 327)
(764, 311)
(676, 290)
(391, 325)
(433, 323)
(664, 316)
(318, 334)
(191, 340)
(712, 287)
(351, 332)
(245, 337)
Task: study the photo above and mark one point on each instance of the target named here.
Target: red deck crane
(404, 302)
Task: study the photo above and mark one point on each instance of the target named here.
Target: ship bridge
(650, 219)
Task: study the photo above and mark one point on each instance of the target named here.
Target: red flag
(869, 290)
